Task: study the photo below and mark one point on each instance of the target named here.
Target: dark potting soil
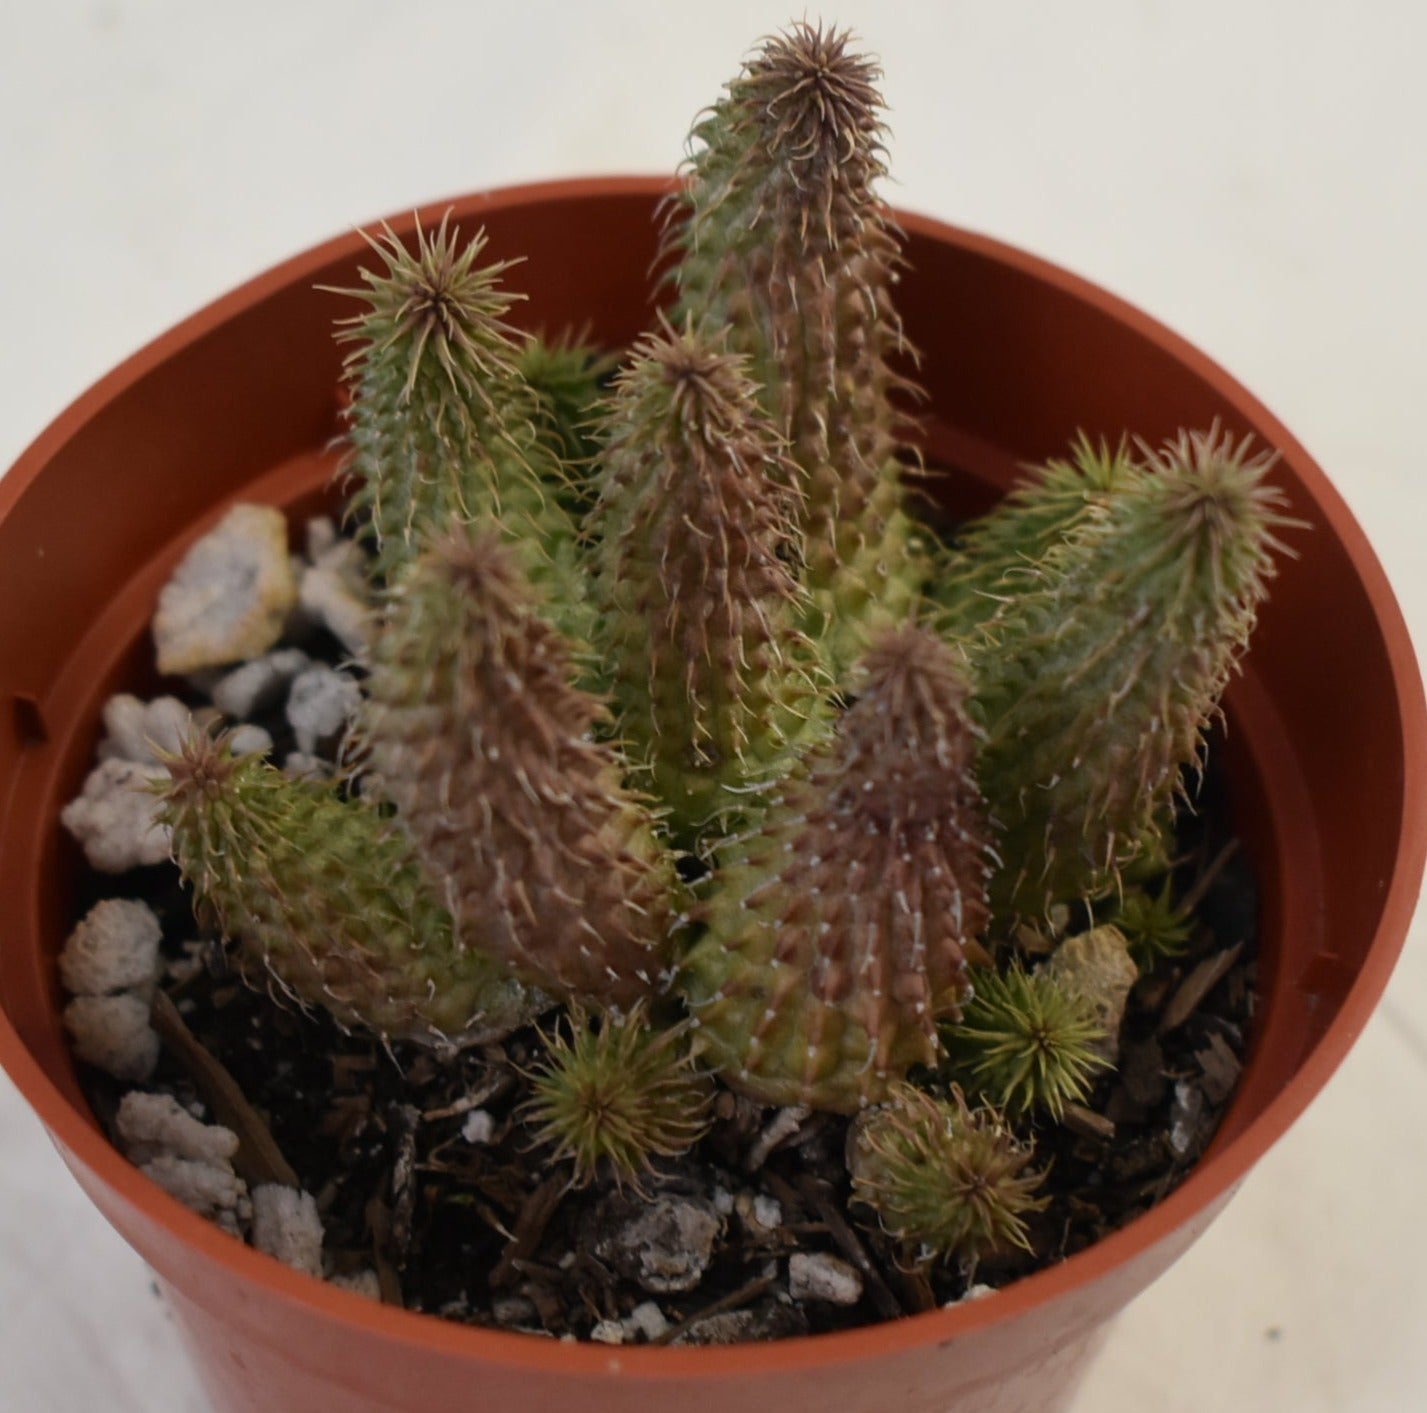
(423, 1169)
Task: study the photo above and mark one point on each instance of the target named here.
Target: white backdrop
(1250, 171)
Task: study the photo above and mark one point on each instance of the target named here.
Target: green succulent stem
(837, 933)
(617, 1093)
(783, 241)
(568, 377)
(715, 687)
(1025, 1043)
(326, 898)
(947, 1181)
(480, 736)
(1103, 674)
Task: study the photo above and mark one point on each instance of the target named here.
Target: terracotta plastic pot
(1326, 763)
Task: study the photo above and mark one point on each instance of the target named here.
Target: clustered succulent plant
(678, 719)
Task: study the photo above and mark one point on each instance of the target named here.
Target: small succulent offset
(675, 717)
(618, 1092)
(1026, 1042)
(946, 1180)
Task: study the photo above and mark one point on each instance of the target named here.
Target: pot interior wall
(243, 402)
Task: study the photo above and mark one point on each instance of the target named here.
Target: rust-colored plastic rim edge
(1210, 1181)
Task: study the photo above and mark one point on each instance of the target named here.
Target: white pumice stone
(114, 947)
(328, 600)
(646, 1319)
(256, 685)
(249, 740)
(204, 1187)
(821, 1276)
(479, 1127)
(320, 704)
(154, 1125)
(286, 1226)
(116, 817)
(113, 1034)
(230, 596)
(138, 731)
(319, 535)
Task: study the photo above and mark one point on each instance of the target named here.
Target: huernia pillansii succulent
(1153, 925)
(1024, 1043)
(784, 241)
(480, 736)
(618, 1093)
(442, 426)
(837, 933)
(1103, 675)
(947, 1181)
(698, 589)
(997, 554)
(659, 726)
(567, 376)
(325, 898)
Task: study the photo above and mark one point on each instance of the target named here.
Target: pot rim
(1210, 1181)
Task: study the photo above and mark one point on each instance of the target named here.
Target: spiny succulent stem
(480, 736)
(837, 934)
(326, 898)
(784, 241)
(714, 686)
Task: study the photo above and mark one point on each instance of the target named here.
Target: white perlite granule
(114, 947)
(823, 1277)
(230, 597)
(113, 1034)
(286, 1226)
(116, 817)
(152, 1125)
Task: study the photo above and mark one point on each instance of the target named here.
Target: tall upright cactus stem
(442, 427)
(838, 934)
(326, 896)
(479, 736)
(1104, 675)
(783, 240)
(714, 685)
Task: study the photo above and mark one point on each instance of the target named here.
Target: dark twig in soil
(819, 1197)
(735, 1300)
(1194, 894)
(403, 1121)
(1088, 1124)
(1196, 986)
(530, 1226)
(379, 1224)
(258, 1159)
